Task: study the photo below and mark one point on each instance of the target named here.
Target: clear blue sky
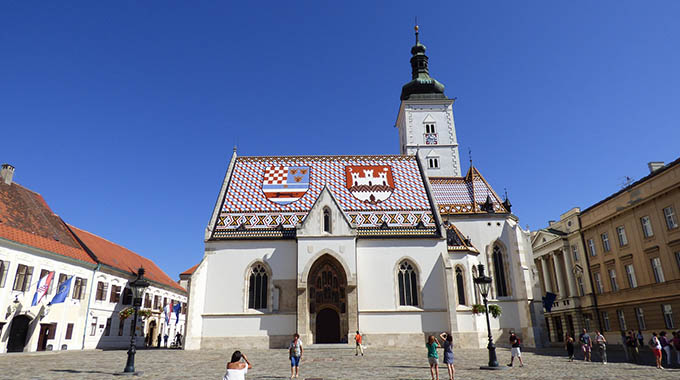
(123, 115)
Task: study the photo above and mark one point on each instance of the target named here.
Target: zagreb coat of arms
(371, 184)
(285, 184)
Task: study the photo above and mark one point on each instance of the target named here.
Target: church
(384, 244)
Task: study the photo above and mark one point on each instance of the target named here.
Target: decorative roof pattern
(26, 218)
(465, 195)
(370, 190)
(456, 242)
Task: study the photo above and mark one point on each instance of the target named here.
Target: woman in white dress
(237, 369)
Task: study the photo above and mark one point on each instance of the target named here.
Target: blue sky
(124, 114)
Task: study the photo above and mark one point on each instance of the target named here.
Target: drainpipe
(590, 275)
(89, 299)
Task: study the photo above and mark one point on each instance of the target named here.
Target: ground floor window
(668, 316)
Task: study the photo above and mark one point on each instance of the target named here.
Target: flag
(63, 291)
(43, 287)
(166, 312)
(548, 301)
(176, 309)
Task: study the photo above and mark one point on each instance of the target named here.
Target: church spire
(422, 85)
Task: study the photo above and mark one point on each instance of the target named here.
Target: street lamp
(483, 283)
(137, 286)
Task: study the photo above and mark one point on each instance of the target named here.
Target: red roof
(464, 195)
(26, 218)
(119, 257)
(189, 271)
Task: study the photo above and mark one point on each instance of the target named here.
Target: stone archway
(18, 333)
(327, 289)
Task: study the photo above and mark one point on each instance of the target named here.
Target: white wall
(71, 311)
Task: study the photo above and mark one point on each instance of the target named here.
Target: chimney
(653, 166)
(6, 173)
(551, 222)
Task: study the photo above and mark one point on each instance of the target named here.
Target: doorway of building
(151, 333)
(328, 301)
(327, 326)
(17, 333)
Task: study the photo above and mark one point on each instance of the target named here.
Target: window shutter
(83, 288)
(4, 267)
(27, 280)
(52, 331)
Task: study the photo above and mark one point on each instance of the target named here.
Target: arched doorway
(151, 333)
(328, 301)
(17, 333)
(327, 326)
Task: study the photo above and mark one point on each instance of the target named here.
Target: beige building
(563, 270)
(633, 247)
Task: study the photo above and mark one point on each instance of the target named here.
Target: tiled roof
(465, 195)
(269, 193)
(189, 271)
(26, 218)
(119, 257)
(456, 242)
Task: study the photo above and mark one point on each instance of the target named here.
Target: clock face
(431, 138)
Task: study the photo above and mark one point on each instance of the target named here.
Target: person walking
(601, 346)
(640, 338)
(447, 340)
(656, 349)
(676, 345)
(295, 354)
(237, 369)
(359, 348)
(165, 339)
(586, 345)
(515, 351)
(432, 356)
(158, 342)
(666, 347)
(569, 345)
(632, 346)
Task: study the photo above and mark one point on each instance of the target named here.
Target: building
(386, 244)
(633, 244)
(35, 242)
(563, 271)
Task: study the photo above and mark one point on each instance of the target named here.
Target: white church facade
(385, 244)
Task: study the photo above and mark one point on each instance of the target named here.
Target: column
(571, 279)
(560, 278)
(546, 274)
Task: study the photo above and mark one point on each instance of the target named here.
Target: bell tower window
(429, 128)
(327, 220)
(433, 163)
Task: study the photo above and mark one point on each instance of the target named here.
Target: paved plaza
(317, 364)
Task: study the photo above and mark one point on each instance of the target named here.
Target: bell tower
(425, 119)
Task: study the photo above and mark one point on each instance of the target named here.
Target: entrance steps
(330, 346)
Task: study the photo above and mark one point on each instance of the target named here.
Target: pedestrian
(432, 356)
(586, 344)
(666, 347)
(237, 369)
(178, 339)
(295, 354)
(569, 345)
(158, 342)
(626, 351)
(447, 340)
(359, 348)
(656, 349)
(515, 351)
(676, 345)
(165, 339)
(632, 346)
(601, 346)
(640, 338)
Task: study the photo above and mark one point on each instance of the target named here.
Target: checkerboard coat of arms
(285, 184)
(372, 183)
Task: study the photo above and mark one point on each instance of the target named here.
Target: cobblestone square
(318, 364)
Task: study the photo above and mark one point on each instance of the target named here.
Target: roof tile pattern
(246, 206)
(26, 218)
(464, 195)
(119, 257)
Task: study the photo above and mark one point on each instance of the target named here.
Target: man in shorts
(515, 350)
(586, 344)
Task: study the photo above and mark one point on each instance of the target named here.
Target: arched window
(258, 287)
(327, 220)
(478, 297)
(408, 284)
(460, 285)
(499, 272)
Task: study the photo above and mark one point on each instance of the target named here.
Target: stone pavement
(318, 364)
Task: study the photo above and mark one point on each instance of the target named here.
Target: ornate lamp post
(137, 286)
(483, 282)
